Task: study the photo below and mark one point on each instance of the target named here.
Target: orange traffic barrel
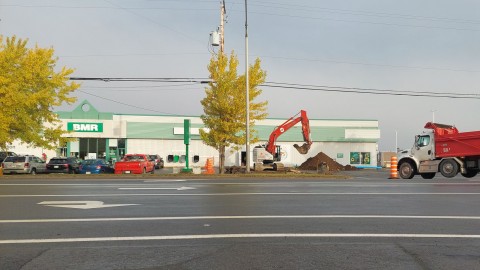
(393, 168)
(209, 166)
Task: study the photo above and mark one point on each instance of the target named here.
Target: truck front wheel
(449, 168)
(406, 170)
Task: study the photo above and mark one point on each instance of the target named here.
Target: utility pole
(223, 11)
(247, 97)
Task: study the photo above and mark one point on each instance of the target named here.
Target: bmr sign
(85, 127)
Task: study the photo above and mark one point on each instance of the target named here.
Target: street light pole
(396, 141)
(247, 98)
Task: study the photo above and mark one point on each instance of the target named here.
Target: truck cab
(420, 159)
(424, 148)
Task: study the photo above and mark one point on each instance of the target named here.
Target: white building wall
(290, 156)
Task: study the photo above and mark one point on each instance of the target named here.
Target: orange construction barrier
(209, 166)
(393, 168)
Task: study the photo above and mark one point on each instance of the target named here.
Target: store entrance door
(91, 148)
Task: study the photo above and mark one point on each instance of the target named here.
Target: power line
(372, 91)
(133, 54)
(268, 5)
(290, 7)
(309, 87)
(140, 79)
(126, 104)
(360, 12)
(293, 86)
(119, 88)
(365, 22)
(370, 64)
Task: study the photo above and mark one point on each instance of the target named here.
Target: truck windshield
(423, 140)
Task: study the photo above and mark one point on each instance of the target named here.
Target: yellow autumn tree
(224, 104)
(29, 89)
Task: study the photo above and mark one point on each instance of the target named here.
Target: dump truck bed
(451, 143)
(458, 145)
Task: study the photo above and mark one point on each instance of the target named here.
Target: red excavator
(269, 156)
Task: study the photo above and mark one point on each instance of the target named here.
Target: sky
(403, 63)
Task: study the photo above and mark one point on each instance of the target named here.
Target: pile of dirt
(320, 159)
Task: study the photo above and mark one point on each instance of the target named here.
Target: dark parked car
(158, 161)
(95, 166)
(64, 165)
(4, 154)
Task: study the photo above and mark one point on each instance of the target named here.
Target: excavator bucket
(302, 149)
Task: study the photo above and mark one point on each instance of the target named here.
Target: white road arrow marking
(145, 188)
(81, 204)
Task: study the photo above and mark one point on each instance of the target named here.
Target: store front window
(91, 148)
(360, 158)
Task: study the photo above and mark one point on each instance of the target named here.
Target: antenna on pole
(217, 38)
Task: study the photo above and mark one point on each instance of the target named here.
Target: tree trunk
(221, 161)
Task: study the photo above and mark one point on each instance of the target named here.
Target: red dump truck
(441, 149)
(135, 164)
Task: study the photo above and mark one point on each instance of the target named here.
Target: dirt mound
(316, 162)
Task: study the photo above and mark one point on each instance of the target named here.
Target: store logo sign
(85, 127)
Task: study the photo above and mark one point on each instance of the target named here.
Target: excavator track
(258, 166)
(277, 166)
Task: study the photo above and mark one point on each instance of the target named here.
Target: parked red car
(135, 164)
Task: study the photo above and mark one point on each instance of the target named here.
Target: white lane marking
(239, 217)
(166, 180)
(241, 194)
(345, 184)
(148, 188)
(81, 204)
(283, 183)
(220, 236)
(89, 185)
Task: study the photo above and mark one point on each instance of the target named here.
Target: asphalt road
(366, 222)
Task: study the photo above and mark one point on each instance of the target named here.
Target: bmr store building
(108, 135)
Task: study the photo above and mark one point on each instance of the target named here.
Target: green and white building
(111, 135)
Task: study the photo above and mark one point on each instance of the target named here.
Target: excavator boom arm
(278, 131)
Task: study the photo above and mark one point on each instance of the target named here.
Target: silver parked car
(24, 164)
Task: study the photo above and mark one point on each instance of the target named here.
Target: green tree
(224, 105)
(29, 89)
